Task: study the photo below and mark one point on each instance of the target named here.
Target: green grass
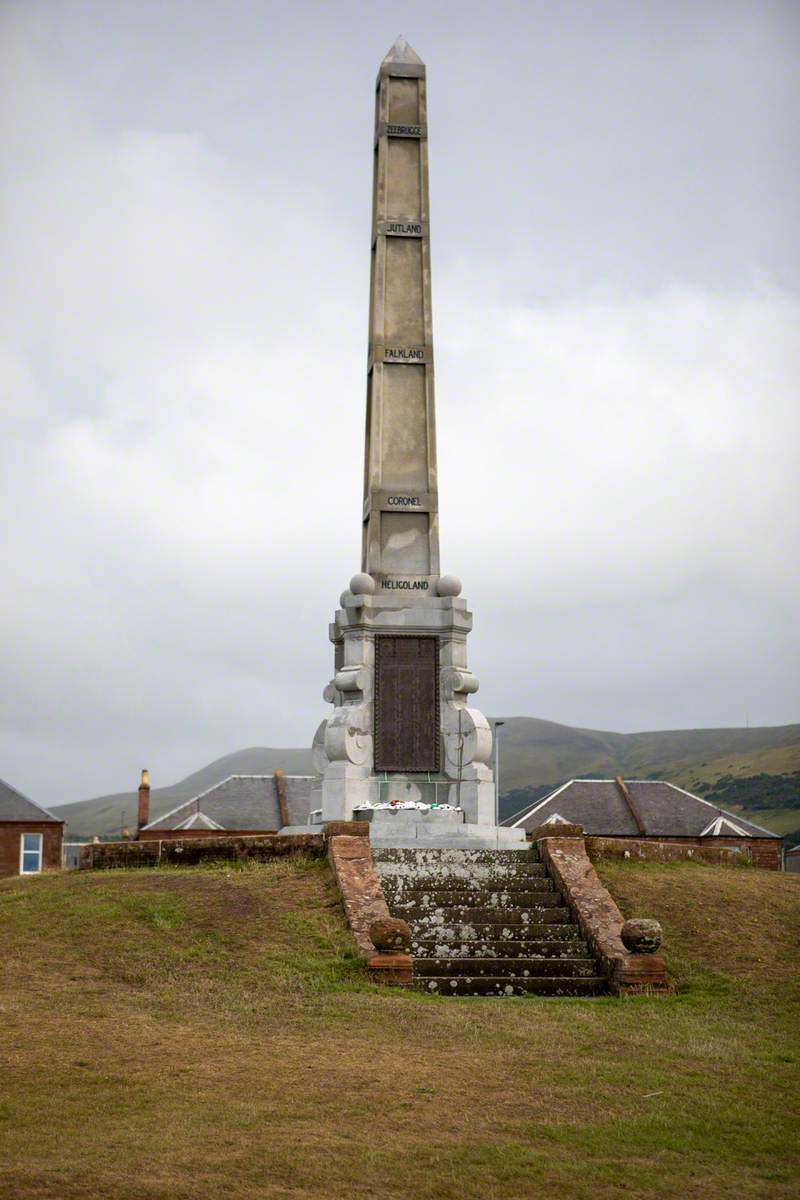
(776, 760)
(209, 1032)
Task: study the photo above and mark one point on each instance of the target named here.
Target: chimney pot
(144, 801)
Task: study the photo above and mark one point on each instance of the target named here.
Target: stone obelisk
(401, 727)
(401, 531)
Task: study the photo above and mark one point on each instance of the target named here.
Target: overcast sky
(185, 254)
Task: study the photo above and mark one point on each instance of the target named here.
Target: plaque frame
(419, 747)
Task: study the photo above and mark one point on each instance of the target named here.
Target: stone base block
(417, 831)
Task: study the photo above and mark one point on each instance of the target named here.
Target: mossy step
(517, 880)
(513, 968)
(541, 948)
(547, 908)
(435, 858)
(543, 897)
(467, 876)
(529, 893)
(487, 985)
(494, 931)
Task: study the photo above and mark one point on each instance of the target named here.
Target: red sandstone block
(393, 969)
(350, 828)
(557, 831)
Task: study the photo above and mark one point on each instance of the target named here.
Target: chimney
(280, 789)
(622, 788)
(144, 801)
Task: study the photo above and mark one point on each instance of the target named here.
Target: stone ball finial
(390, 935)
(449, 585)
(362, 584)
(641, 935)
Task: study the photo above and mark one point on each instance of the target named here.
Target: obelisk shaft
(401, 536)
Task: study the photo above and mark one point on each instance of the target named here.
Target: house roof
(16, 807)
(242, 802)
(199, 820)
(665, 811)
(794, 849)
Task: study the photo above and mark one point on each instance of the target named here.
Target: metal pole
(497, 725)
(460, 759)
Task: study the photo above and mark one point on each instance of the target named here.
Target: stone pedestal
(344, 744)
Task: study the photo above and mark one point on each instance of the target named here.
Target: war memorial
(403, 731)
(436, 894)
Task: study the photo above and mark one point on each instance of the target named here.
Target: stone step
(494, 931)
(543, 895)
(489, 985)
(465, 897)
(480, 876)
(511, 875)
(547, 909)
(436, 858)
(542, 948)
(512, 968)
(522, 885)
(516, 877)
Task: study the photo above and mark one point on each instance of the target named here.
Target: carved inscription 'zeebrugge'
(404, 130)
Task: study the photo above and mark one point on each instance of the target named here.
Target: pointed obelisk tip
(401, 52)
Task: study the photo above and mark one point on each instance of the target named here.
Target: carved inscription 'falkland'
(400, 540)
(404, 354)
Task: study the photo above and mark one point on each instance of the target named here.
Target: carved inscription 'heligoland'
(406, 585)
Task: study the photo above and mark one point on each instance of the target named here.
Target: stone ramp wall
(97, 856)
(718, 851)
(598, 916)
(365, 907)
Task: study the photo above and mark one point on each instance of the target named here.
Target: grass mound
(208, 1032)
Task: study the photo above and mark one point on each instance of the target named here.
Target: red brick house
(31, 838)
(650, 810)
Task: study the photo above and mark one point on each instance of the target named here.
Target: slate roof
(242, 802)
(16, 807)
(665, 809)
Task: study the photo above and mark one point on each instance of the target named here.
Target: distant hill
(102, 815)
(535, 756)
(534, 752)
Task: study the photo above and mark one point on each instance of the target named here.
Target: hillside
(535, 755)
(103, 814)
(192, 1032)
(536, 752)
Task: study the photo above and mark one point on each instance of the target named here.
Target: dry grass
(207, 1033)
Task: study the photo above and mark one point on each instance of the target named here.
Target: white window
(30, 854)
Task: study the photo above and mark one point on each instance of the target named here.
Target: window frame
(23, 852)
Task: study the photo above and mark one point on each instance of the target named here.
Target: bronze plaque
(406, 703)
